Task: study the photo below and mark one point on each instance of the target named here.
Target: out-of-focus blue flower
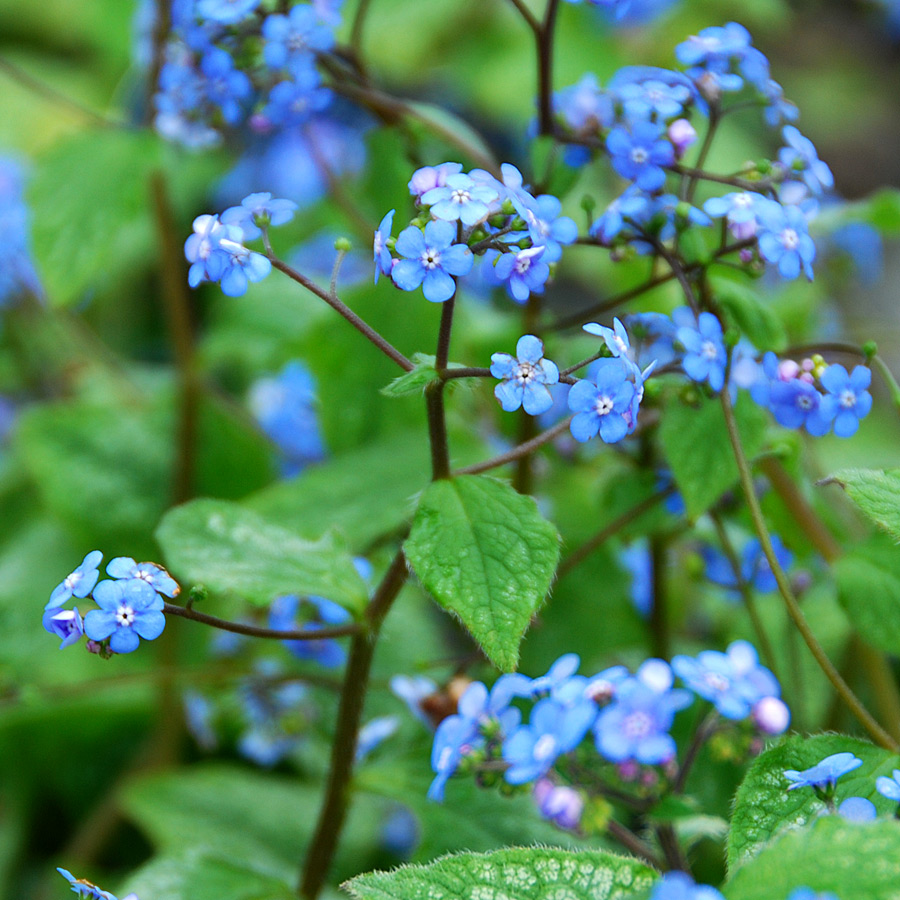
(755, 568)
(525, 378)
(862, 243)
(639, 153)
(129, 609)
(553, 729)
(400, 832)
(654, 99)
(771, 715)
(429, 177)
(382, 255)
(778, 109)
(79, 583)
(630, 207)
(704, 357)
(848, 396)
(412, 690)
(635, 726)
(638, 563)
(258, 211)
(242, 267)
(285, 407)
(560, 804)
(84, 888)
(824, 775)
(739, 210)
(600, 406)
(155, 575)
(202, 249)
(805, 893)
(430, 259)
(800, 156)
(586, 110)
(784, 239)
(373, 733)
(292, 39)
(680, 886)
(227, 88)
(889, 787)
(273, 709)
(733, 681)
(198, 715)
(717, 54)
(226, 12)
(857, 809)
(66, 624)
(546, 226)
(293, 613)
(317, 255)
(17, 274)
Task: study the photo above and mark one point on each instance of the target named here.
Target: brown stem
(516, 452)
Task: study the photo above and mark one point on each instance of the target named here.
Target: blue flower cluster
(223, 69)
(520, 235)
(216, 249)
(17, 274)
(629, 717)
(285, 407)
(84, 888)
(813, 395)
(642, 119)
(130, 604)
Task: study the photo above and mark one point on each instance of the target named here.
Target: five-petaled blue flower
(639, 154)
(704, 357)
(79, 583)
(129, 609)
(847, 396)
(258, 211)
(430, 259)
(523, 271)
(156, 576)
(800, 155)
(784, 239)
(824, 775)
(460, 198)
(525, 377)
(600, 406)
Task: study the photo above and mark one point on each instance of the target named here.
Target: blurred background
(105, 763)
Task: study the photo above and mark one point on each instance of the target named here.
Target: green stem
(333, 812)
(865, 718)
(888, 378)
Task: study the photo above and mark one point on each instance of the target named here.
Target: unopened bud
(771, 715)
(343, 245)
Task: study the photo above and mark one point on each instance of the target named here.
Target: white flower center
(431, 258)
(790, 239)
(743, 201)
(804, 401)
(125, 615)
(460, 196)
(525, 373)
(848, 398)
(72, 580)
(523, 264)
(639, 155)
(603, 405)
(545, 747)
(637, 725)
(717, 681)
(709, 350)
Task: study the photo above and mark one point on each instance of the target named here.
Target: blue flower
(373, 733)
(630, 207)
(805, 893)
(525, 378)
(382, 255)
(654, 99)
(755, 568)
(523, 271)
(155, 575)
(291, 613)
(430, 259)
(824, 775)
(429, 177)
(226, 86)
(800, 156)
(857, 809)
(848, 396)
(291, 40)
(258, 211)
(600, 406)
(79, 583)
(285, 407)
(546, 227)
(412, 690)
(226, 12)
(739, 210)
(784, 239)
(560, 804)
(84, 888)
(66, 624)
(129, 610)
(636, 560)
(639, 153)
(704, 358)
(202, 249)
(241, 267)
(635, 726)
(295, 101)
(797, 404)
(733, 681)
(461, 198)
(554, 729)
(680, 886)
(585, 107)
(889, 787)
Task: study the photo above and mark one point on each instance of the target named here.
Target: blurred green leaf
(486, 554)
(755, 318)
(876, 492)
(232, 550)
(535, 873)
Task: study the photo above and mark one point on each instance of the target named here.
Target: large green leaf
(876, 492)
(849, 859)
(763, 805)
(233, 550)
(755, 318)
(696, 445)
(363, 493)
(536, 873)
(868, 579)
(486, 554)
(204, 872)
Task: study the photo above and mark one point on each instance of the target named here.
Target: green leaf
(876, 492)
(340, 493)
(443, 123)
(415, 381)
(233, 550)
(486, 554)
(753, 316)
(868, 579)
(536, 873)
(696, 445)
(204, 873)
(763, 805)
(882, 210)
(846, 858)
